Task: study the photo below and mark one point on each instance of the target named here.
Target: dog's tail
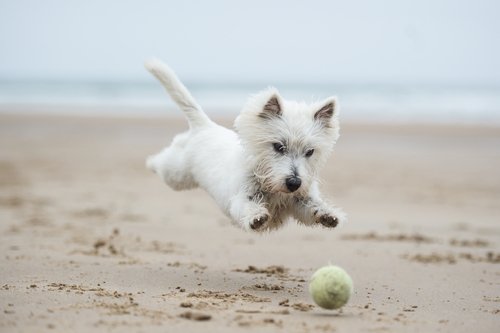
(178, 92)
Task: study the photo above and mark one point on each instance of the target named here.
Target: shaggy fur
(265, 173)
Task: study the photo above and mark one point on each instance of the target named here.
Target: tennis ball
(330, 287)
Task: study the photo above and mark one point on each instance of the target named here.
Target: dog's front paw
(250, 215)
(330, 218)
(258, 222)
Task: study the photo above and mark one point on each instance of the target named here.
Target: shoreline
(226, 120)
(167, 110)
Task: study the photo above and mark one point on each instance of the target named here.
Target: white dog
(263, 175)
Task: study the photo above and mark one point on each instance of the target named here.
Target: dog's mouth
(279, 189)
(284, 191)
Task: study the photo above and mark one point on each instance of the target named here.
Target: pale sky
(392, 41)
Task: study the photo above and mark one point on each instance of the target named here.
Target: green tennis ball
(330, 287)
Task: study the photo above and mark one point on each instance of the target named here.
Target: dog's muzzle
(293, 183)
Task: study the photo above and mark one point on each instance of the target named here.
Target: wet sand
(91, 241)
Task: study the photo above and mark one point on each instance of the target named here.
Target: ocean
(455, 104)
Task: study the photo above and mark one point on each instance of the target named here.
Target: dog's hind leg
(171, 165)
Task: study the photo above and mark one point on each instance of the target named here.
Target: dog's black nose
(293, 183)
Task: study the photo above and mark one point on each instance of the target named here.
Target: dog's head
(287, 142)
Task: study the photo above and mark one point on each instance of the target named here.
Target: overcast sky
(425, 41)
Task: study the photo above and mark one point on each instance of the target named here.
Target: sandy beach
(91, 241)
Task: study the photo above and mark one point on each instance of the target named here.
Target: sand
(91, 241)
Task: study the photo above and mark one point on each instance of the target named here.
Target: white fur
(243, 172)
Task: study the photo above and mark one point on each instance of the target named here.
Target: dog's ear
(272, 108)
(327, 110)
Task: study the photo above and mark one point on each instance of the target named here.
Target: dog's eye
(309, 152)
(279, 147)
